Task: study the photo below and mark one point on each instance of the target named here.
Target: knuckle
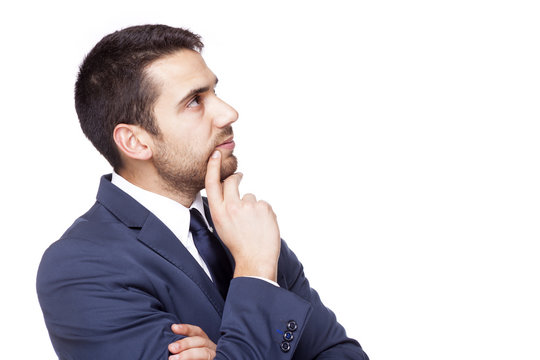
(184, 343)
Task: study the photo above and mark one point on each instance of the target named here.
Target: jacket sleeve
(100, 305)
(323, 337)
(93, 312)
(96, 307)
(262, 321)
(255, 319)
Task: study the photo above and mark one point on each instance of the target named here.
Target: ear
(132, 141)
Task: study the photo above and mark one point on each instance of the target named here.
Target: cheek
(195, 151)
(193, 145)
(202, 142)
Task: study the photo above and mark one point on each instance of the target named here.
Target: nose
(224, 114)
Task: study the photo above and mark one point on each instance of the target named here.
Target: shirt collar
(173, 214)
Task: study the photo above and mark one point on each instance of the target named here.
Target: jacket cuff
(261, 320)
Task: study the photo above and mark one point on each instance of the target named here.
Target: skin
(195, 346)
(188, 155)
(191, 126)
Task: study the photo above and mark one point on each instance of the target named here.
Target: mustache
(223, 135)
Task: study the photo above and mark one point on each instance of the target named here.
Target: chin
(228, 167)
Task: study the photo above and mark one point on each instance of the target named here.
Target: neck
(151, 181)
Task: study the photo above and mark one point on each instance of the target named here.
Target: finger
(195, 354)
(213, 179)
(249, 198)
(190, 342)
(188, 330)
(230, 187)
(194, 342)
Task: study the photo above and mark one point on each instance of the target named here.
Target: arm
(324, 337)
(98, 306)
(254, 320)
(256, 312)
(99, 302)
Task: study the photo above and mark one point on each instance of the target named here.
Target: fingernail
(174, 347)
(216, 154)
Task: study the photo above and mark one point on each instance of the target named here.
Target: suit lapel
(158, 237)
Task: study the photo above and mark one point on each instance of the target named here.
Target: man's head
(144, 94)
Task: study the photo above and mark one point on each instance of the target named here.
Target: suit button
(292, 325)
(285, 346)
(288, 336)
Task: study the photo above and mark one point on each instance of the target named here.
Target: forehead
(180, 72)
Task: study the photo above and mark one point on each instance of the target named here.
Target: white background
(398, 142)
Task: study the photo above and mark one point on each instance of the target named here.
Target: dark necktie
(211, 251)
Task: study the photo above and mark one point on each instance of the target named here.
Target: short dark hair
(112, 88)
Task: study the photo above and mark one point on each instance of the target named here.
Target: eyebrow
(197, 91)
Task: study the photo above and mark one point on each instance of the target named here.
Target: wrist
(268, 272)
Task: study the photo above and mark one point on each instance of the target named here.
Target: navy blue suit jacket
(114, 283)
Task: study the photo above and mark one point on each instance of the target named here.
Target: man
(153, 270)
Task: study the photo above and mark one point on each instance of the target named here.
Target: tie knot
(196, 222)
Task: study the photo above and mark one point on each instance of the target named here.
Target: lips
(227, 144)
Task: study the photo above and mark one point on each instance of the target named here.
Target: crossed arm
(98, 304)
(249, 229)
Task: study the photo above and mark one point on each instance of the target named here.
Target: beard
(183, 168)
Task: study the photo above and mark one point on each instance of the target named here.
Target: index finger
(212, 180)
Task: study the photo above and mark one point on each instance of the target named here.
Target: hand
(195, 346)
(247, 227)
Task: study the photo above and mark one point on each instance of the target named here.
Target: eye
(196, 101)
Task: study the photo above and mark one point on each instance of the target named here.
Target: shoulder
(92, 245)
